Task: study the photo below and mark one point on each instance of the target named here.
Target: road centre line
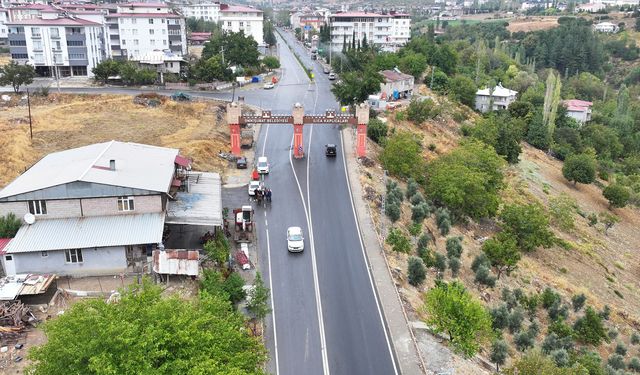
(273, 315)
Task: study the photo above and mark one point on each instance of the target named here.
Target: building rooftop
(137, 166)
(201, 205)
(55, 22)
(238, 8)
(577, 105)
(24, 284)
(358, 14)
(394, 75)
(88, 232)
(145, 15)
(498, 91)
(143, 5)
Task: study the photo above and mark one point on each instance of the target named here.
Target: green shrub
(499, 353)
(402, 155)
(440, 262)
(579, 168)
(635, 338)
(562, 209)
(420, 111)
(515, 320)
(606, 311)
(549, 297)
(621, 349)
(415, 229)
(416, 199)
(509, 298)
(578, 301)
(233, 286)
(617, 362)
(423, 241)
(412, 188)
(589, 328)
(560, 357)
(529, 224)
(634, 364)
(530, 303)
(484, 277)
(523, 341)
(398, 241)
(617, 195)
(392, 210)
(479, 261)
(420, 212)
(443, 220)
(612, 333)
(499, 317)
(454, 266)
(454, 247)
(427, 256)
(558, 311)
(376, 130)
(417, 271)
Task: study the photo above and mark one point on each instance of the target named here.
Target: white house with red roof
(580, 110)
(237, 18)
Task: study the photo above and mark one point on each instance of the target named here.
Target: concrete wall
(109, 206)
(18, 208)
(100, 261)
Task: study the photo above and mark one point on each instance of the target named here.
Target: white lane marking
(316, 284)
(273, 311)
(366, 260)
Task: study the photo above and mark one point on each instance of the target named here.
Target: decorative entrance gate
(235, 119)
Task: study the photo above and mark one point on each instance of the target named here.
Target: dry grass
(532, 24)
(65, 121)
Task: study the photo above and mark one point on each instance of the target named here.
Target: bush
(417, 271)
(560, 357)
(523, 341)
(412, 188)
(635, 338)
(9, 225)
(423, 241)
(443, 220)
(558, 311)
(562, 209)
(440, 262)
(530, 304)
(589, 328)
(515, 320)
(427, 256)
(509, 298)
(499, 317)
(479, 261)
(617, 195)
(233, 286)
(402, 155)
(499, 353)
(377, 130)
(392, 210)
(579, 168)
(398, 241)
(617, 362)
(621, 349)
(484, 277)
(454, 247)
(612, 333)
(634, 364)
(606, 311)
(578, 301)
(420, 212)
(416, 199)
(420, 111)
(549, 298)
(454, 266)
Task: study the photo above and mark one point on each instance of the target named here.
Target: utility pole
(383, 209)
(29, 106)
(222, 52)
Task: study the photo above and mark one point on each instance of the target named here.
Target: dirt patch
(63, 121)
(532, 24)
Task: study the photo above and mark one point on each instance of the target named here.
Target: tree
(233, 286)
(538, 133)
(16, 75)
(269, 35)
(402, 155)
(454, 247)
(355, 87)
(9, 225)
(258, 299)
(218, 248)
(237, 48)
(171, 336)
(417, 272)
(609, 220)
(579, 168)
(413, 63)
(440, 263)
(462, 89)
(376, 130)
(467, 180)
(536, 363)
(589, 328)
(578, 301)
(529, 224)
(420, 111)
(499, 353)
(634, 364)
(502, 251)
(398, 241)
(617, 194)
(616, 361)
(210, 70)
(105, 69)
(451, 309)
(454, 266)
(271, 62)
(551, 102)
(503, 134)
(443, 220)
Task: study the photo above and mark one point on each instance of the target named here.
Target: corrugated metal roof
(202, 205)
(137, 166)
(88, 232)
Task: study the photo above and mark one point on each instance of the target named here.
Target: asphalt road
(326, 319)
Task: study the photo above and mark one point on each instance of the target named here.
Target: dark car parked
(330, 150)
(241, 163)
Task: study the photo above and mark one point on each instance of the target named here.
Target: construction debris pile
(14, 316)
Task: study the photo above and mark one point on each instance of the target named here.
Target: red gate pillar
(362, 117)
(298, 126)
(234, 111)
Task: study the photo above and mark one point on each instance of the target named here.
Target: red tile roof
(34, 6)
(393, 76)
(238, 8)
(144, 5)
(3, 243)
(181, 160)
(577, 103)
(55, 22)
(145, 15)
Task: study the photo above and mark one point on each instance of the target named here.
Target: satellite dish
(29, 218)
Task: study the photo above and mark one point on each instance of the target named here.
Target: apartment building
(238, 18)
(307, 21)
(58, 45)
(386, 31)
(136, 29)
(206, 11)
(495, 99)
(4, 30)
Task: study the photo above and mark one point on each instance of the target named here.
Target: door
(9, 265)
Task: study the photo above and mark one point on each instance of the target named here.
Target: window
(150, 21)
(55, 32)
(134, 31)
(164, 31)
(241, 24)
(124, 42)
(164, 42)
(19, 56)
(152, 42)
(163, 20)
(8, 257)
(57, 46)
(44, 254)
(38, 207)
(77, 56)
(74, 43)
(133, 21)
(125, 203)
(35, 32)
(136, 42)
(57, 58)
(22, 43)
(229, 24)
(73, 255)
(151, 31)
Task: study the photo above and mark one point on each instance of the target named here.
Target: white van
(263, 165)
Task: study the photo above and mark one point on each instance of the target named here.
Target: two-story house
(396, 85)
(90, 210)
(494, 99)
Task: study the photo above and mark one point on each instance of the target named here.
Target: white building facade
(137, 29)
(206, 11)
(381, 30)
(54, 45)
(494, 99)
(237, 18)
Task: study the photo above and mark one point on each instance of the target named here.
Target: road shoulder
(402, 337)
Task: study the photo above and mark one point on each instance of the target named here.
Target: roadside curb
(403, 340)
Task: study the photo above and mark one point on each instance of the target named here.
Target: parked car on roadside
(326, 70)
(332, 76)
(241, 163)
(269, 85)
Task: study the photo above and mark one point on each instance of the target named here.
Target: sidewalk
(402, 338)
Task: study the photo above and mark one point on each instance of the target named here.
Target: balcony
(175, 37)
(36, 36)
(55, 36)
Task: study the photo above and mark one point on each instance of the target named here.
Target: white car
(295, 239)
(269, 85)
(332, 76)
(253, 186)
(263, 165)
